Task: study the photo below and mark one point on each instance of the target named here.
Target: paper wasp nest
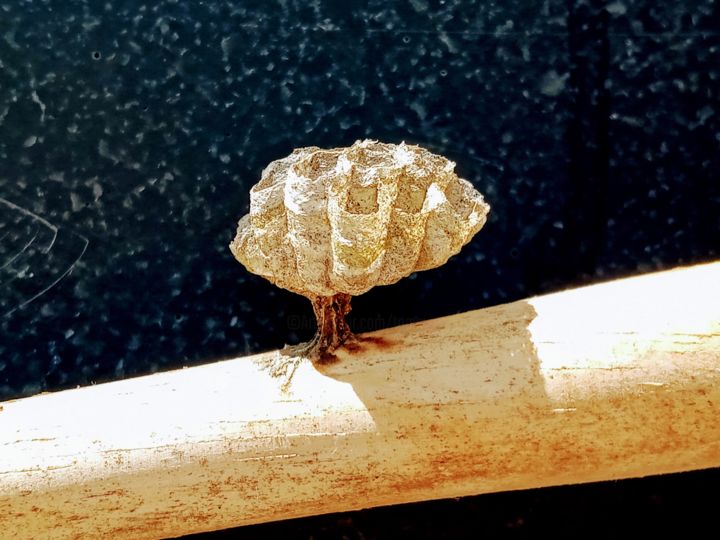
(325, 222)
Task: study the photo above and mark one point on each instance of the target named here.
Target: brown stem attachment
(332, 329)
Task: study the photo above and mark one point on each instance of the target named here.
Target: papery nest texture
(324, 223)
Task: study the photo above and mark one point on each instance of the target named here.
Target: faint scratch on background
(53, 228)
(23, 250)
(59, 278)
(33, 215)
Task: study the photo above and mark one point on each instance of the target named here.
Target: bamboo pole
(610, 381)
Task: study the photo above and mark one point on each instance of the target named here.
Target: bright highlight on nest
(331, 224)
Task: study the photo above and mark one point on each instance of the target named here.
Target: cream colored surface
(344, 220)
(610, 381)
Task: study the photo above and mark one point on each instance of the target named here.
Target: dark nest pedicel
(332, 329)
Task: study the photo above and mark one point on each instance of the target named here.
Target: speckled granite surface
(131, 131)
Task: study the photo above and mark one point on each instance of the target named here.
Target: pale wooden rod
(615, 380)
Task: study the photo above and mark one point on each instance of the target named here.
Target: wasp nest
(330, 224)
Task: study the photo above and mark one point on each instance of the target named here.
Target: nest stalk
(332, 328)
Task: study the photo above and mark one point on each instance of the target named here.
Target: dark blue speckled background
(131, 131)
